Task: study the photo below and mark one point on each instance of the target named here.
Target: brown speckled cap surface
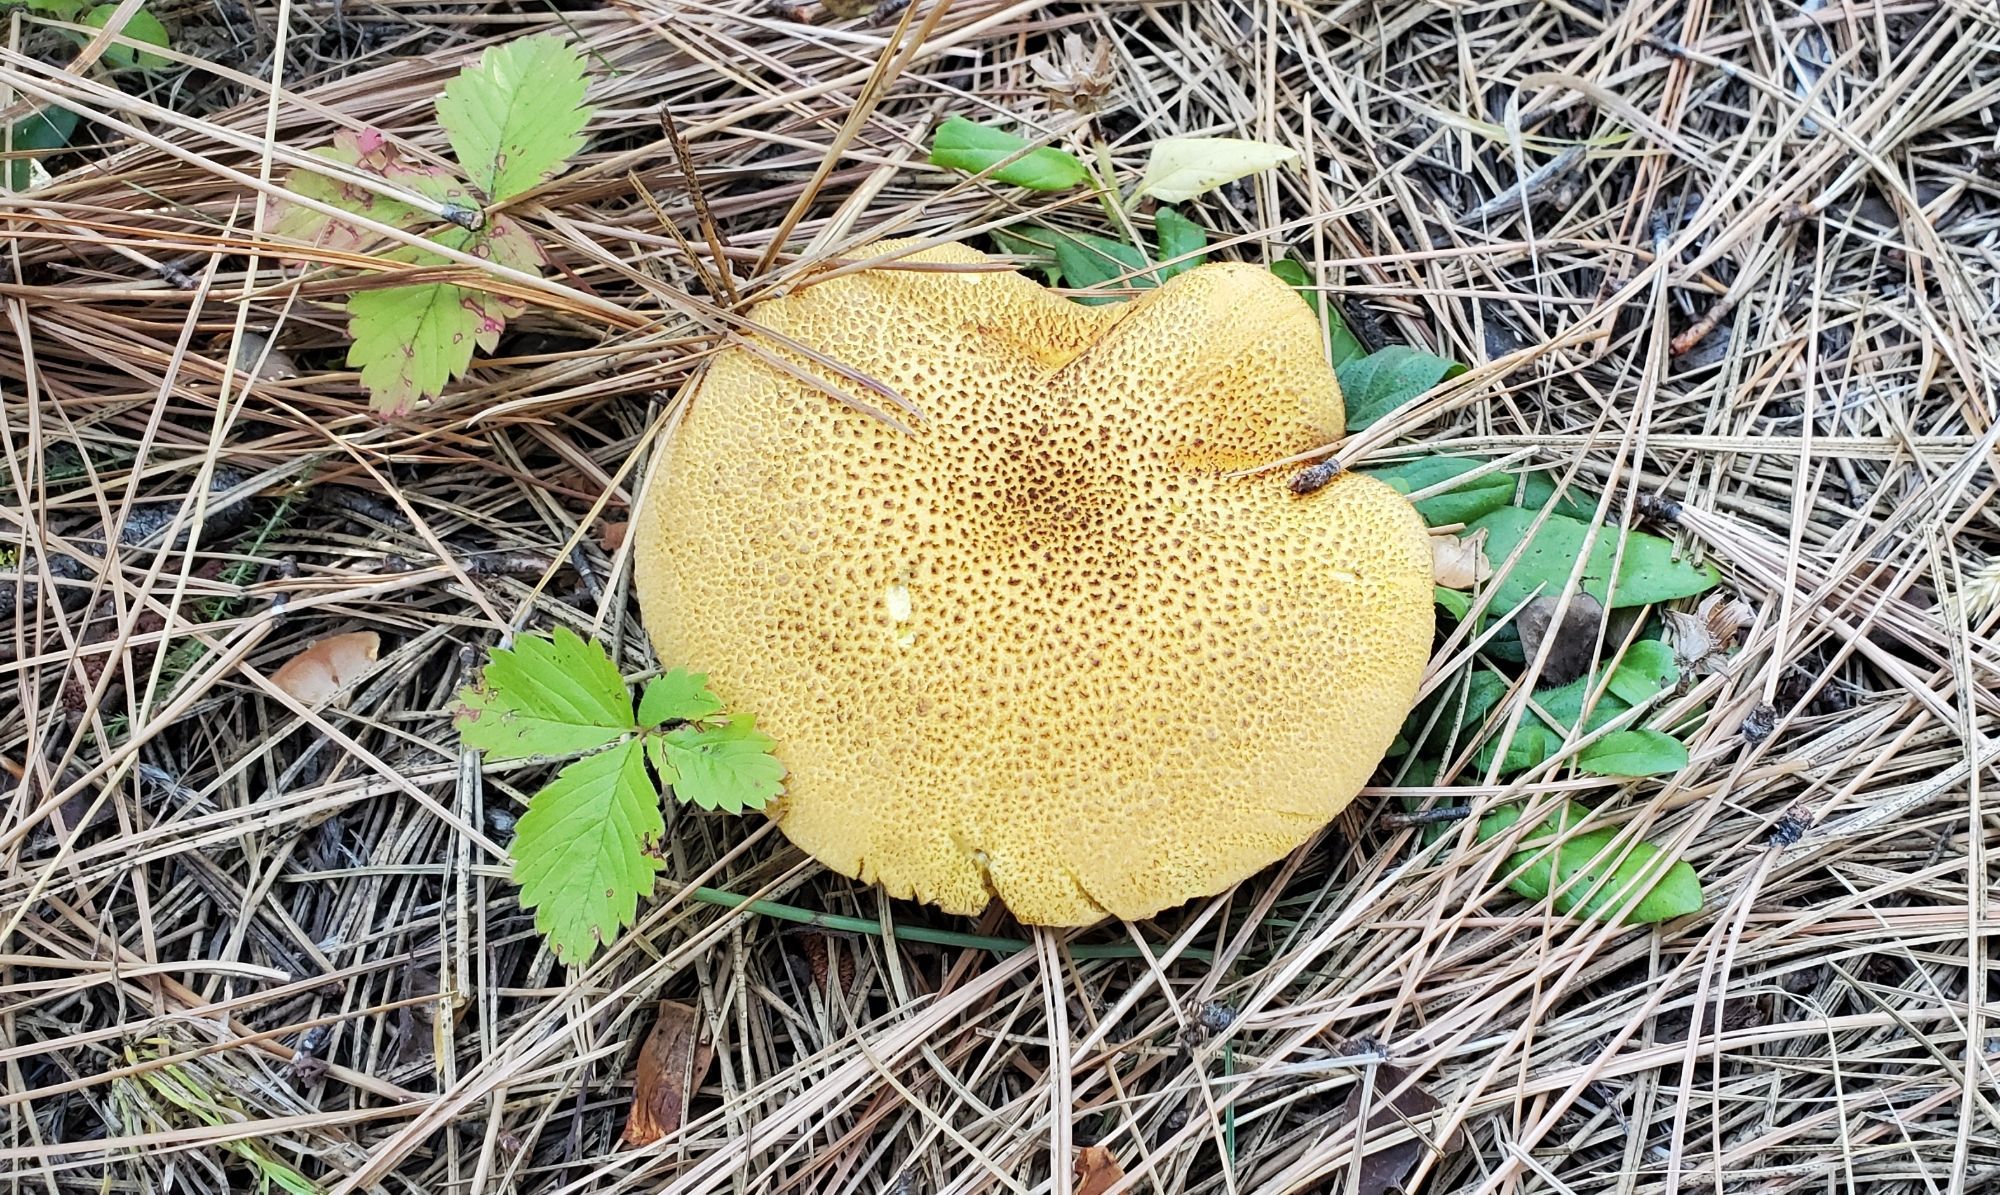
(1041, 648)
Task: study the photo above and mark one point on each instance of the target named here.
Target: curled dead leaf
(1097, 1171)
(672, 1066)
(611, 536)
(327, 667)
(1459, 563)
(1701, 641)
(1079, 77)
(1575, 638)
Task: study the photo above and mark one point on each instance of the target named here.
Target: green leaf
(1462, 503)
(1590, 875)
(1089, 260)
(47, 129)
(1179, 236)
(679, 696)
(1388, 378)
(518, 116)
(1633, 753)
(1456, 604)
(1342, 345)
(1531, 744)
(1651, 570)
(580, 851)
(1646, 667)
(141, 26)
(409, 341)
(1037, 246)
(1538, 492)
(60, 9)
(545, 696)
(961, 144)
(1181, 168)
(728, 767)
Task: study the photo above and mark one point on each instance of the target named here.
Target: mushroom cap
(1041, 646)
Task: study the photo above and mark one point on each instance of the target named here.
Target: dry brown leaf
(672, 1065)
(1701, 640)
(1575, 640)
(1385, 1167)
(611, 536)
(1459, 563)
(327, 666)
(1097, 1171)
(1079, 77)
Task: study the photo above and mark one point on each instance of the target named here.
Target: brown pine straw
(241, 938)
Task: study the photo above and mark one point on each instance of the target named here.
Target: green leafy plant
(141, 26)
(961, 144)
(583, 853)
(1587, 874)
(513, 121)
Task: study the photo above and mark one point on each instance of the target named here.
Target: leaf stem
(917, 933)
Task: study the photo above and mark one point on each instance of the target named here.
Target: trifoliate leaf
(141, 26)
(369, 152)
(516, 117)
(961, 144)
(728, 767)
(679, 696)
(554, 696)
(580, 851)
(409, 341)
(1183, 167)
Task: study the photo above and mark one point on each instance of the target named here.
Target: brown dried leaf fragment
(1097, 1171)
(327, 667)
(1575, 637)
(672, 1065)
(1459, 563)
(1385, 1167)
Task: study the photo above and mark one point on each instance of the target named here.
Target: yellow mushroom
(1041, 647)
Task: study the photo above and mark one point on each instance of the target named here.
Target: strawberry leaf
(580, 852)
(679, 696)
(369, 152)
(410, 340)
(728, 767)
(515, 118)
(554, 696)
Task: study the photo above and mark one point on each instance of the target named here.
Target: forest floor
(1742, 257)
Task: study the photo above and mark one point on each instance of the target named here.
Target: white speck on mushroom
(897, 597)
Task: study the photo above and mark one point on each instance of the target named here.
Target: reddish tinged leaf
(1097, 1171)
(370, 153)
(672, 1065)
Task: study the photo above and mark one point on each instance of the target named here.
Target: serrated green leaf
(141, 26)
(1633, 753)
(515, 118)
(1179, 237)
(546, 696)
(1388, 378)
(728, 767)
(1180, 168)
(678, 696)
(1589, 874)
(580, 851)
(47, 129)
(1462, 503)
(961, 144)
(409, 341)
(1650, 572)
